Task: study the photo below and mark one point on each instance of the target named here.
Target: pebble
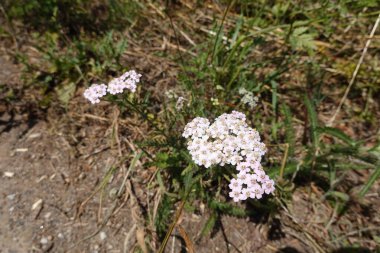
(11, 196)
(35, 135)
(9, 174)
(47, 215)
(103, 236)
(44, 240)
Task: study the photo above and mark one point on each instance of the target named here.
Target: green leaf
(209, 225)
(313, 119)
(161, 160)
(228, 208)
(66, 92)
(163, 215)
(300, 39)
(374, 176)
(187, 169)
(337, 133)
(339, 195)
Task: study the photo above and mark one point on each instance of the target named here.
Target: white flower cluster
(248, 98)
(95, 92)
(127, 81)
(229, 140)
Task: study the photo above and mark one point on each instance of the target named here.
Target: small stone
(9, 174)
(21, 150)
(60, 236)
(35, 135)
(11, 196)
(82, 176)
(47, 215)
(44, 240)
(103, 236)
(47, 247)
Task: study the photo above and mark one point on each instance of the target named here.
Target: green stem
(145, 117)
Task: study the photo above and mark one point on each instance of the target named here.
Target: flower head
(95, 92)
(229, 140)
(128, 81)
(235, 184)
(268, 186)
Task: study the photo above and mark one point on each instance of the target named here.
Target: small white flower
(251, 180)
(261, 176)
(257, 191)
(235, 184)
(235, 195)
(246, 193)
(242, 175)
(268, 186)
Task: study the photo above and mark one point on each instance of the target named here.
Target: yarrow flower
(95, 92)
(180, 102)
(248, 98)
(128, 81)
(229, 140)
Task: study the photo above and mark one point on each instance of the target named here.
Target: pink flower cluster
(229, 140)
(127, 81)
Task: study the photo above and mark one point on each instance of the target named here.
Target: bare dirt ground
(42, 189)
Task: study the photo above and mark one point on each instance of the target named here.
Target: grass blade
(375, 175)
(290, 137)
(313, 119)
(337, 133)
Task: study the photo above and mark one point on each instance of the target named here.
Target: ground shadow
(288, 250)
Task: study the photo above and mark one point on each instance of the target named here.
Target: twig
(355, 232)
(355, 72)
(171, 228)
(173, 244)
(128, 238)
